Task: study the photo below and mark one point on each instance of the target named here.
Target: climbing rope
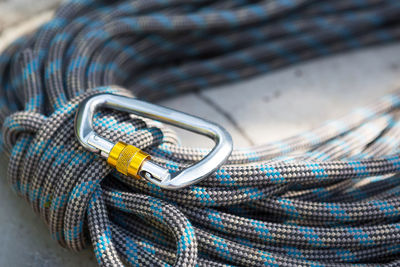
(325, 197)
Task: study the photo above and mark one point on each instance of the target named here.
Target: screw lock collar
(127, 159)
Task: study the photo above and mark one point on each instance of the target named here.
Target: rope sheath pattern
(326, 197)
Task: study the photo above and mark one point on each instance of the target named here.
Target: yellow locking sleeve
(127, 159)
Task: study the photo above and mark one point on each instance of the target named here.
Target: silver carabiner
(132, 161)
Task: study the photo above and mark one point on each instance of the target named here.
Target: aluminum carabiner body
(131, 161)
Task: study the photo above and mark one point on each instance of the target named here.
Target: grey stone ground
(255, 111)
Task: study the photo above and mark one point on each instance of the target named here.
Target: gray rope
(325, 197)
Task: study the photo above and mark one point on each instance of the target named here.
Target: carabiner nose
(130, 160)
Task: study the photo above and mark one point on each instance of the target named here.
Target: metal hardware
(127, 159)
(134, 162)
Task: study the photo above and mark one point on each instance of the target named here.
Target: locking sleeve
(127, 159)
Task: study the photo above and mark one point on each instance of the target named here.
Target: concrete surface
(255, 111)
(15, 12)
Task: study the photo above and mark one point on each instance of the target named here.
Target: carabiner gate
(130, 160)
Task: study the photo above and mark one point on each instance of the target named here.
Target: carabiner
(131, 161)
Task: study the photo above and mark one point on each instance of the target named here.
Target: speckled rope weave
(326, 197)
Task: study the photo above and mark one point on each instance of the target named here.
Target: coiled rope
(326, 197)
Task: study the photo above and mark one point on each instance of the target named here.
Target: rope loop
(22, 122)
(59, 178)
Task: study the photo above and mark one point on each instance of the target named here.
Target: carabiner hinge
(132, 161)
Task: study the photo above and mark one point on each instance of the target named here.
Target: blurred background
(255, 111)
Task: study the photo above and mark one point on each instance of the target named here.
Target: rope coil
(326, 197)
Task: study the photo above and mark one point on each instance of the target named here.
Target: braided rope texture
(325, 197)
